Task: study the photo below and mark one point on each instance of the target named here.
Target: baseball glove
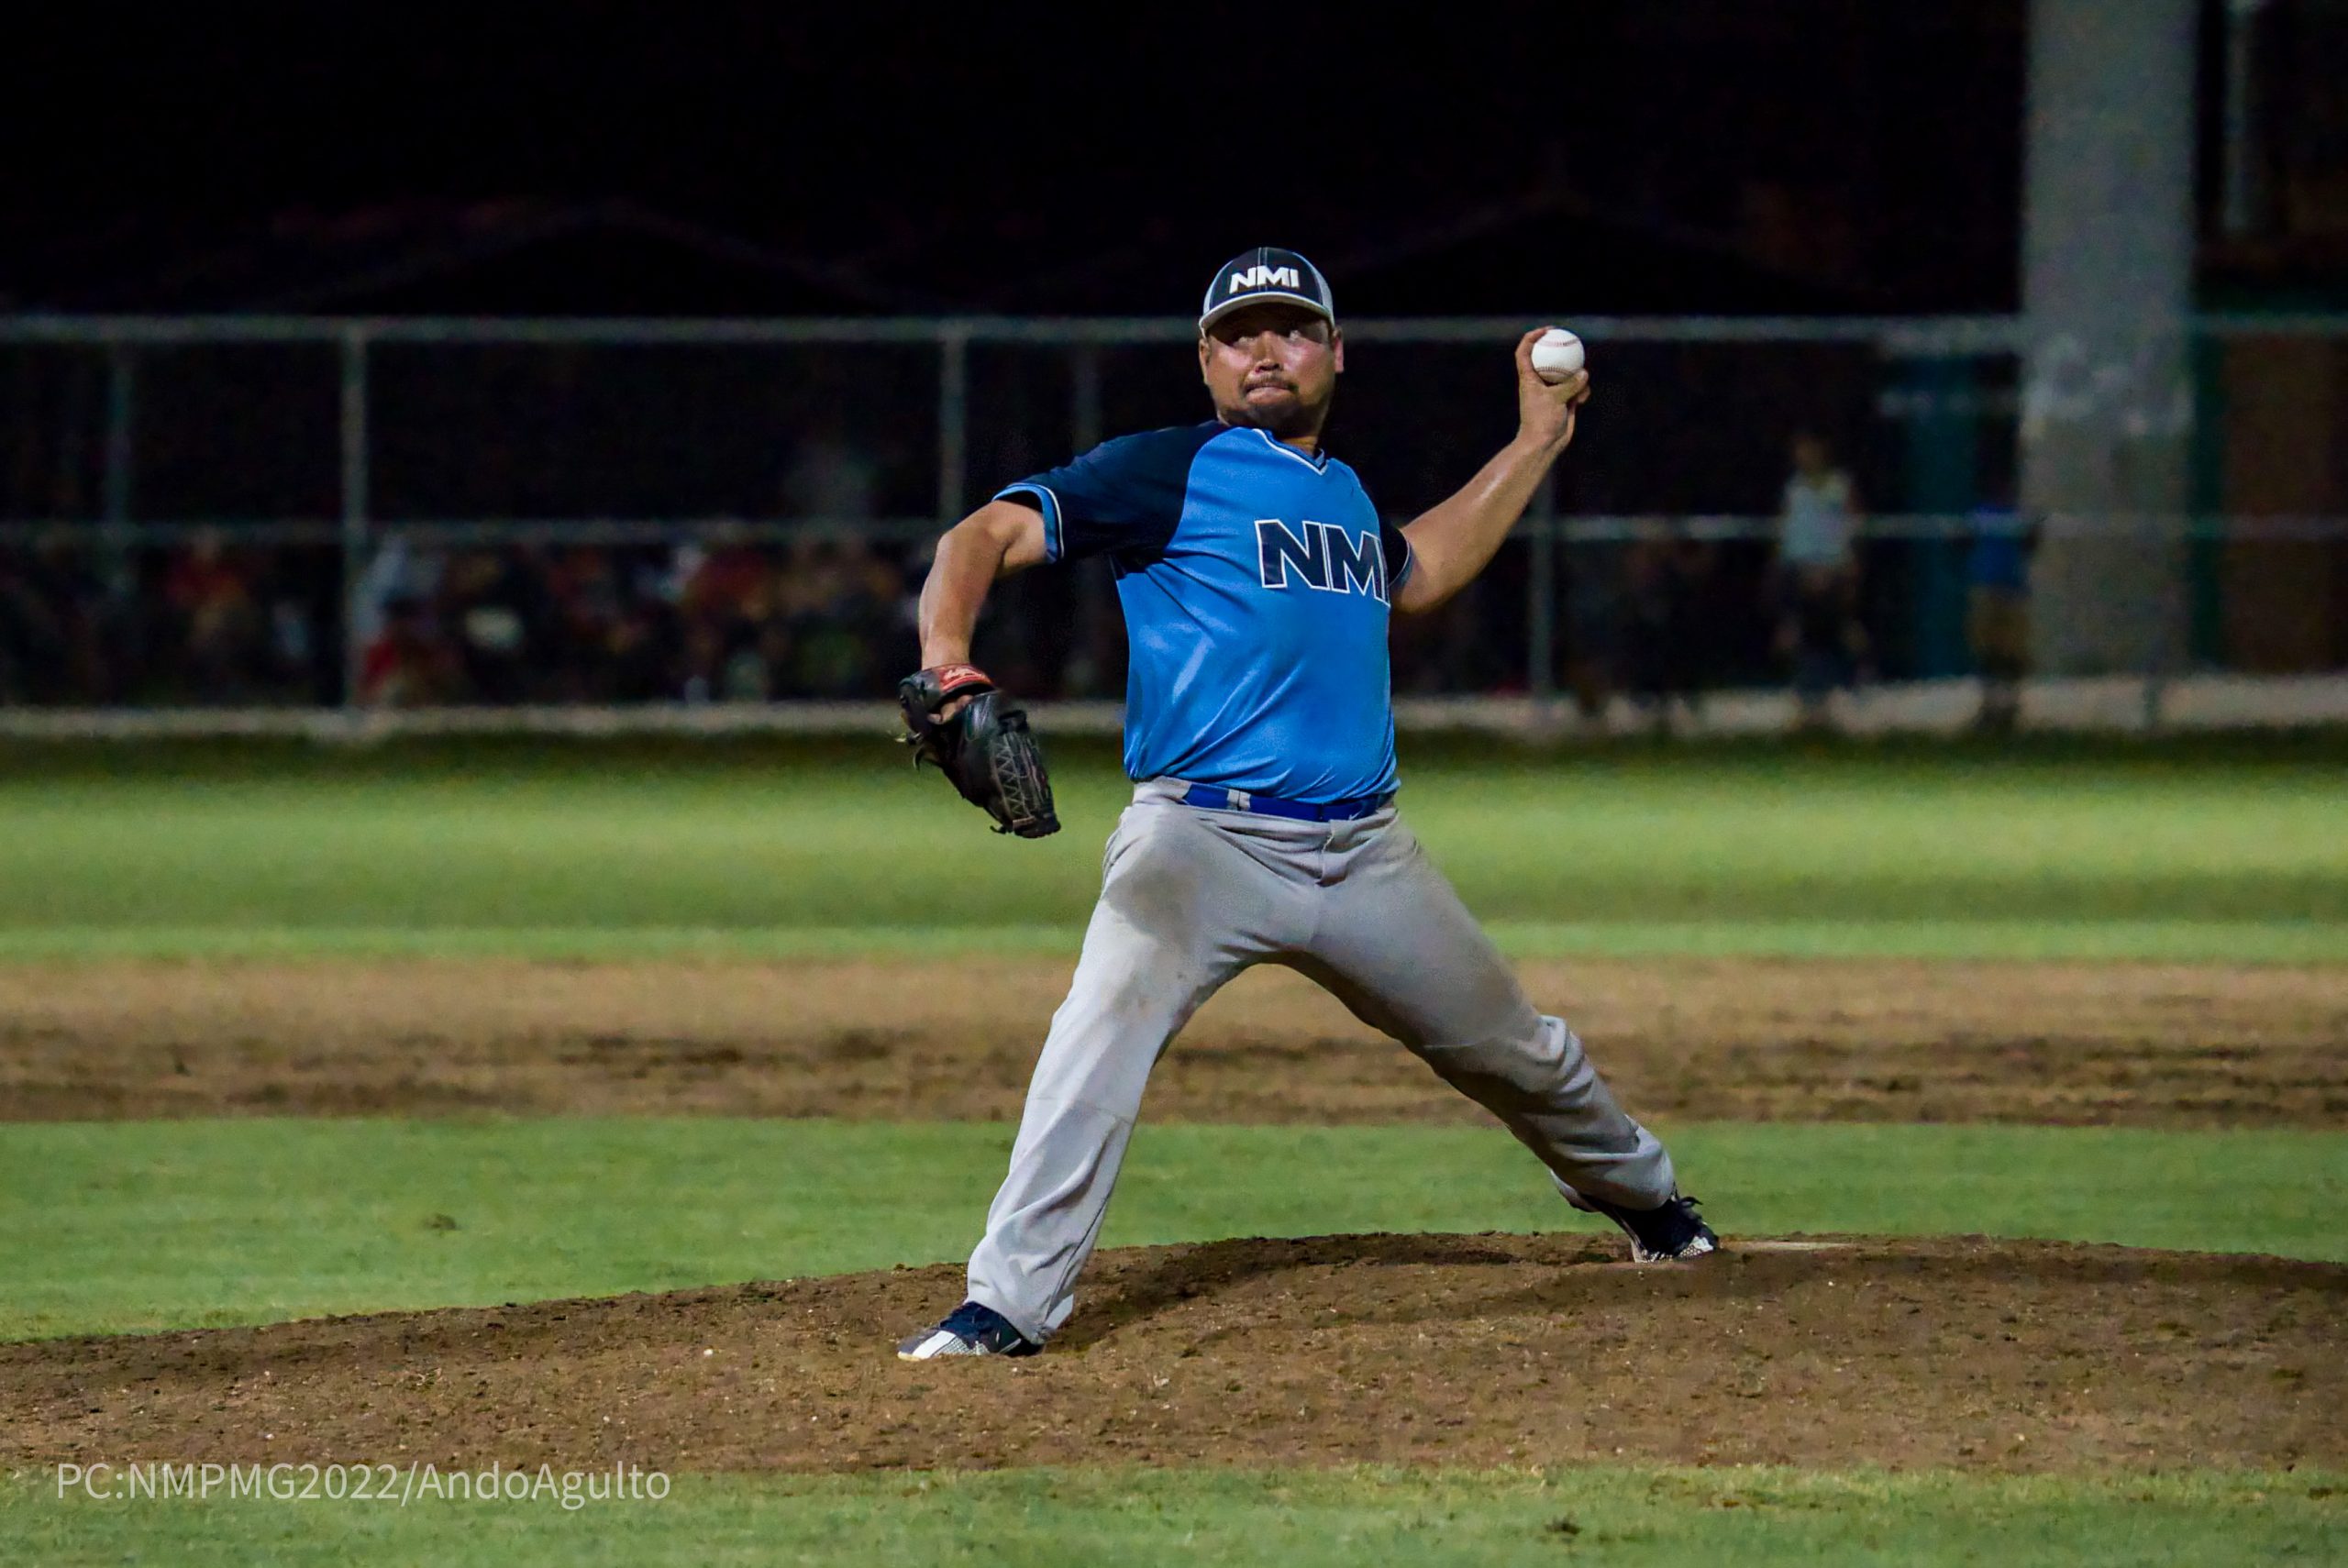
(984, 747)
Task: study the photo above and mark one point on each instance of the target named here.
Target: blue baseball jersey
(1256, 581)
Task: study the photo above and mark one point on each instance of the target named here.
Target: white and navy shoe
(968, 1329)
(1670, 1233)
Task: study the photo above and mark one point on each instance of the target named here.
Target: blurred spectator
(1816, 580)
(1997, 621)
(586, 602)
(643, 649)
(302, 591)
(54, 610)
(406, 666)
(32, 633)
(704, 662)
(395, 571)
(725, 579)
(728, 598)
(497, 606)
(840, 601)
(220, 624)
(826, 616)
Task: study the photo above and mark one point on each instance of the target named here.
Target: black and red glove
(984, 747)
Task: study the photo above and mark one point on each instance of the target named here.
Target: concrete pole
(356, 555)
(2243, 210)
(2107, 282)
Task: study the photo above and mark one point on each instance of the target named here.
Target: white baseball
(1557, 356)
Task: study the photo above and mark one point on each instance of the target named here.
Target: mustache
(1280, 381)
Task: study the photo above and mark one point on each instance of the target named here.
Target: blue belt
(1215, 797)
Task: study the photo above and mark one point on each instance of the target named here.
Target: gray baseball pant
(1189, 899)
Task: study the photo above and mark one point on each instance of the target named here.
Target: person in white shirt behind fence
(1816, 580)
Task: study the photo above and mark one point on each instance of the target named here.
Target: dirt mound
(2139, 1044)
(1474, 1350)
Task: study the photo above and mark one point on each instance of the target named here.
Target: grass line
(2173, 941)
(1746, 1517)
(587, 851)
(123, 1226)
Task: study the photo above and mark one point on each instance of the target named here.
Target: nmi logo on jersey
(1262, 277)
(1325, 557)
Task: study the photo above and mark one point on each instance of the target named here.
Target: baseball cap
(1266, 273)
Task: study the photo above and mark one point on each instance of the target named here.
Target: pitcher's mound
(1465, 1349)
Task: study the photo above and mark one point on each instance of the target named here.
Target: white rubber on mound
(1786, 1246)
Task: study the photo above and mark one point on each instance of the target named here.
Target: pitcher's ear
(1338, 347)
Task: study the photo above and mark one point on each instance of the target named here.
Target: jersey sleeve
(1123, 496)
(1399, 558)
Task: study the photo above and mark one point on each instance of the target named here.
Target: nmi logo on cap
(1266, 273)
(1262, 277)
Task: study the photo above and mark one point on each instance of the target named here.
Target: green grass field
(128, 1226)
(2208, 851)
(2214, 851)
(141, 1226)
(1341, 1519)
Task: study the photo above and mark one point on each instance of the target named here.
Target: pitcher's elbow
(1420, 592)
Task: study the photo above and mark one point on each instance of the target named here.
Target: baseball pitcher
(1256, 580)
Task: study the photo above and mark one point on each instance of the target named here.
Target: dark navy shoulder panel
(1391, 543)
(1397, 549)
(1124, 495)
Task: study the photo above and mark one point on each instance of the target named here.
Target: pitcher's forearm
(996, 540)
(967, 565)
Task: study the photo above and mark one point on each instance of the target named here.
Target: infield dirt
(1455, 1350)
(2133, 1044)
(1483, 1349)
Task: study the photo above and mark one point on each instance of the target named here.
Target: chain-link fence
(299, 514)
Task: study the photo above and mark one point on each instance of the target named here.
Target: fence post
(354, 515)
(1541, 612)
(117, 554)
(114, 485)
(953, 423)
(1084, 398)
(2172, 631)
(1093, 591)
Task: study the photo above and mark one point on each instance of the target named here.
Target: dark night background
(1805, 155)
(1555, 161)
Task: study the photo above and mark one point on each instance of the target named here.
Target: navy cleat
(968, 1329)
(1667, 1233)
